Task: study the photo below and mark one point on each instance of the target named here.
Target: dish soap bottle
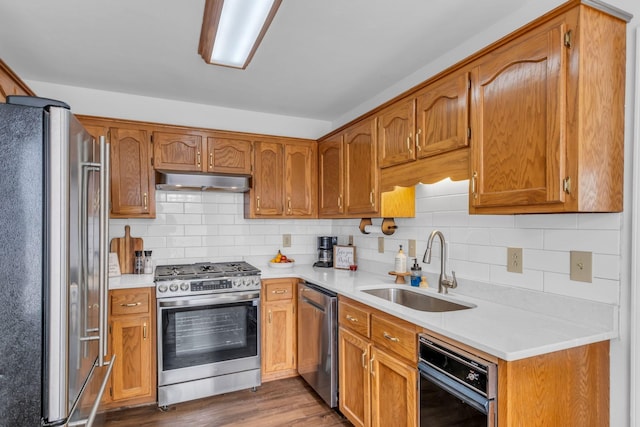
(401, 262)
(416, 273)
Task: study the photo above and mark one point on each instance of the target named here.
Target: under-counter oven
(208, 337)
(457, 389)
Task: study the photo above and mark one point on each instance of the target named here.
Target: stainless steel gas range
(208, 329)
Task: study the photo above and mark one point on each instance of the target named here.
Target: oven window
(438, 408)
(202, 335)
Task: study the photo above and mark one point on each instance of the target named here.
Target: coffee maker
(325, 251)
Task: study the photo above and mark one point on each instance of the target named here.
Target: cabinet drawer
(279, 290)
(395, 336)
(129, 302)
(353, 318)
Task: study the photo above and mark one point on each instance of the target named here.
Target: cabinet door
(132, 180)
(10, 83)
(396, 144)
(178, 152)
(442, 110)
(330, 177)
(518, 122)
(228, 155)
(132, 344)
(394, 385)
(354, 378)
(278, 349)
(268, 186)
(300, 165)
(361, 168)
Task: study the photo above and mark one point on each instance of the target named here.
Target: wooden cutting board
(125, 247)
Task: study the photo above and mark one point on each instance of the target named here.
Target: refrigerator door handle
(88, 422)
(104, 249)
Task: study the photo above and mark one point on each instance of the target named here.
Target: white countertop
(500, 330)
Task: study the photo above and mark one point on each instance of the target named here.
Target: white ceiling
(319, 59)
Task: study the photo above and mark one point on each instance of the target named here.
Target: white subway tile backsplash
(597, 241)
(210, 226)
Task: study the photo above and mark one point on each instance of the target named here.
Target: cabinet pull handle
(340, 201)
(373, 374)
(198, 159)
(364, 361)
(390, 338)
(258, 203)
(418, 147)
(351, 319)
(145, 201)
(210, 160)
(474, 178)
(279, 291)
(270, 316)
(131, 304)
(144, 330)
(371, 198)
(409, 144)
(289, 204)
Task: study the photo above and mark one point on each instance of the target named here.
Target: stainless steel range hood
(174, 181)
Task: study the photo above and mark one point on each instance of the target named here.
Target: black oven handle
(216, 299)
(468, 396)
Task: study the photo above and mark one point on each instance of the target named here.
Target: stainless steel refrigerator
(53, 266)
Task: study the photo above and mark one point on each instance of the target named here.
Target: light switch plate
(514, 260)
(580, 268)
(350, 239)
(381, 245)
(412, 248)
(286, 240)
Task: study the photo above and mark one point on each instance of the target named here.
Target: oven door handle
(209, 300)
(468, 396)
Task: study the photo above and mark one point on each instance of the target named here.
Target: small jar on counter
(138, 263)
(148, 263)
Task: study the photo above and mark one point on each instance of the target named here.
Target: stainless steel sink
(416, 300)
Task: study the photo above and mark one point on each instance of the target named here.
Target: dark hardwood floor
(288, 402)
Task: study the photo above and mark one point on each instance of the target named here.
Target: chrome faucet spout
(444, 282)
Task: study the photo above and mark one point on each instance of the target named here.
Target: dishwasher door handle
(313, 303)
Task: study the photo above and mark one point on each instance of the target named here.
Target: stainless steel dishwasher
(318, 340)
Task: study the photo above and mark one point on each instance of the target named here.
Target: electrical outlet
(581, 266)
(350, 239)
(381, 245)
(286, 240)
(514, 260)
(412, 248)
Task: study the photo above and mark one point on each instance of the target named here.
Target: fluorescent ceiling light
(233, 29)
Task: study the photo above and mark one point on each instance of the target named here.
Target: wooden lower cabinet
(279, 332)
(132, 340)
(378, 385)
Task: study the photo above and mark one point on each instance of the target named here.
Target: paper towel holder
(388, 226)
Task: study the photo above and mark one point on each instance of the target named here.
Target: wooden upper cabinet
(228, 155)
(284, 180)
(543, 140)
(132, 178)
(11, 84)
(330, 177)
(442, 111)
(268, 179)
(300, 166)
(396, 124)
(178, 152)
(361, 169)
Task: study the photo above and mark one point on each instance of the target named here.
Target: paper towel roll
(372, 229)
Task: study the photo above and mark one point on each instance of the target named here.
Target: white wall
(95, 102)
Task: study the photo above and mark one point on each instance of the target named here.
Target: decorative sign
(114, 265)
(344, 256)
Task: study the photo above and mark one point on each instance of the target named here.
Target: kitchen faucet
(444, 283)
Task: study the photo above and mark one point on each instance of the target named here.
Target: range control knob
(173, 287)
(184, 286)
(163, 288)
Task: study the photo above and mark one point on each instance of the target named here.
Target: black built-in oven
(457, 389)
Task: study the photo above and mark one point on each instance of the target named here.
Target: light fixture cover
(233, 29)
